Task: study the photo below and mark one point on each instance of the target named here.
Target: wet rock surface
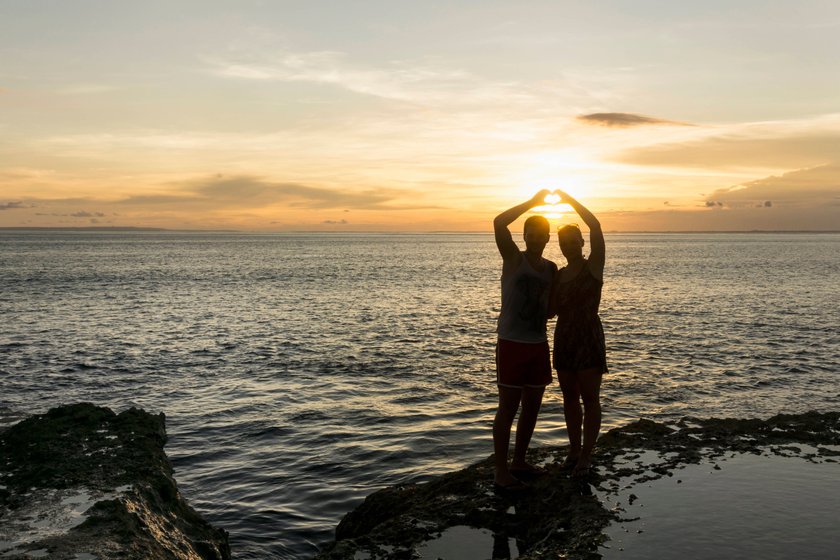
(558, 516)
(83, 482)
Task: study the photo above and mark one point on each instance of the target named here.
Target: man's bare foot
(508, 483)
(506, 479)
(526, 470)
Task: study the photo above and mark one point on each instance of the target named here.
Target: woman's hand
(539, 198)
(564, 198)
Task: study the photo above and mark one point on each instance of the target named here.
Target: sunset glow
(281, 116)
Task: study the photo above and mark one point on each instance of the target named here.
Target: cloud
(413, 81)
(728, 219)
(226, 200)
(254, 192)
(398, 81)
(84, 214)
(335, 222)
(778, 145)
(625, 120)
(734, 151)
(221, 192)
(13, 205)
(803, 188)
(805, 199)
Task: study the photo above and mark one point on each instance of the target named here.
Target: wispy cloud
(796, 143)
(414, 81)
(624, 120)
(13, 205)
(398, 81)
(86, 214)
(250, 192)
(817, 187)
(239, 192)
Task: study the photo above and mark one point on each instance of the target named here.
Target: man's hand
(539, 198)
(504, 241)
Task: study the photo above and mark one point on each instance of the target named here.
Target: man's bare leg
(531, 401)
(508, 404)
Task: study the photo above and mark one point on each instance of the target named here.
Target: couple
(533, 290)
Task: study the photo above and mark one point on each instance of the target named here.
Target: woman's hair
(569, 230)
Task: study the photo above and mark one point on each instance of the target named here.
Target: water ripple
(298, 373)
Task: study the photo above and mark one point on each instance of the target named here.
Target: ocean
(301, 372)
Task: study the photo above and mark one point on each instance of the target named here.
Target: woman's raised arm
(597, 255)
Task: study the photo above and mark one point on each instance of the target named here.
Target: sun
(557, 212)
(570, 170)
(566, 169)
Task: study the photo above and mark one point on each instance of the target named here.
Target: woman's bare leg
(589, 382)
(573, 413)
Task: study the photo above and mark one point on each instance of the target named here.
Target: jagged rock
(83, 482)
(560, 517)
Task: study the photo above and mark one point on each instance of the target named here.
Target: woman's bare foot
(570, 462)
(583, 467)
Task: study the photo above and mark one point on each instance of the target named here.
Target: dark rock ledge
(84, 483)
(560, 517)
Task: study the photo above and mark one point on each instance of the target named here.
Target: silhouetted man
(523, 363)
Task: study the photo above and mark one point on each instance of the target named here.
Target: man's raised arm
(504, 240)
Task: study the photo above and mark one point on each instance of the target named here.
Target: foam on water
(301, 372)
(48, 513)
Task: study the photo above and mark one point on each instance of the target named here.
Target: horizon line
(401, 232)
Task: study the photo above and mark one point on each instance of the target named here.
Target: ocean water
(301, 372)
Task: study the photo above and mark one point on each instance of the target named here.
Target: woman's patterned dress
(579, 337)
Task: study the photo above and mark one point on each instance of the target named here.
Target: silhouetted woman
(580, 356)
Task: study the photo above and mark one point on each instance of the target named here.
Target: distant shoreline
(118, 229)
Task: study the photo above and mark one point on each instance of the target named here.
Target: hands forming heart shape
(552, 198)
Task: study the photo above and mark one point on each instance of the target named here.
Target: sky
(419, 116)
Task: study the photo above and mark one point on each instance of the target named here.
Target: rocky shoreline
(561, 517)
(81, 482)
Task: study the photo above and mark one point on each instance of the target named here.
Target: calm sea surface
(299, 373)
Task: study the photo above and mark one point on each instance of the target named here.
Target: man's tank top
(525, 293)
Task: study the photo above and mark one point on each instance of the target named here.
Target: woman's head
(571, 241)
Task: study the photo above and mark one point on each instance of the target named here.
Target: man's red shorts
(522, 364)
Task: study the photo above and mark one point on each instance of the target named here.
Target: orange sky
(419, 117)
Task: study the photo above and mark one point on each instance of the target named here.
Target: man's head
(537, 233)
(571, 241)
